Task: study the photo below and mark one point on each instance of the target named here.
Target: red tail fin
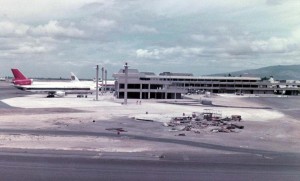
(18, 75)
(20, 79)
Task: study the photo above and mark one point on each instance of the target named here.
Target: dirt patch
(26, 111)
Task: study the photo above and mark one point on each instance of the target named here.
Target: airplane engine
(60, 93)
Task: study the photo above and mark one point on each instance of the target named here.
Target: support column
(148, 91)
(141, 91)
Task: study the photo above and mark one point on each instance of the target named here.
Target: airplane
(59, 89)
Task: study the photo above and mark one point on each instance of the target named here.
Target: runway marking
(263, 156)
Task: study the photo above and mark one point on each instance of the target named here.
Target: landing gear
(50, 95)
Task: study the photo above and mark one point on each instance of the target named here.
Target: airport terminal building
(167, 85)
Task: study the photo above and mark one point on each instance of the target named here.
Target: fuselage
(48, 87)
(75, 86)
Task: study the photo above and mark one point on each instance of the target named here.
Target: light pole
(102, 69)
(97, 81)
(125, 83)
(105, 86)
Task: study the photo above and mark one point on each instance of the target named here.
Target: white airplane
(59, 89)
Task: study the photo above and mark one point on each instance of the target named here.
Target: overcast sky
(50, 38)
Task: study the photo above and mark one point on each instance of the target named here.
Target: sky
(51, 38)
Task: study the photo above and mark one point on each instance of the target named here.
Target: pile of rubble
(207, 120)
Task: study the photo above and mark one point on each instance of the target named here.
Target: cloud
(142, 29)
(295, 34)
(8, 28)
(177, 8)
(224, 34)
(168, 52)
(274, 45)
(40, 10)
(27, 46)
(54, 28)
(25, 39)
(98, 24)
(142, 53)
(31, 49)
(182, 51)
(105, 23)
(274, 2)
(203, 38)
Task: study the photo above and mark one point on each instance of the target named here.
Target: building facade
(147, 85)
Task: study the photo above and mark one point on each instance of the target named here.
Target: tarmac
(32, 124)
(265, 128)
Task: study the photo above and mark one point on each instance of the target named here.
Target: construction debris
(236, 117)
(206, 102)
(204, 120)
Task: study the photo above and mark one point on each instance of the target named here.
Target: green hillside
(279, 72)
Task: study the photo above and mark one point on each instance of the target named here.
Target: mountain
(279, 72)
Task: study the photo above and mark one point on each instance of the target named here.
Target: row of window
(214, 85)
(160, 86)
(138, 86)
(195, 80)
